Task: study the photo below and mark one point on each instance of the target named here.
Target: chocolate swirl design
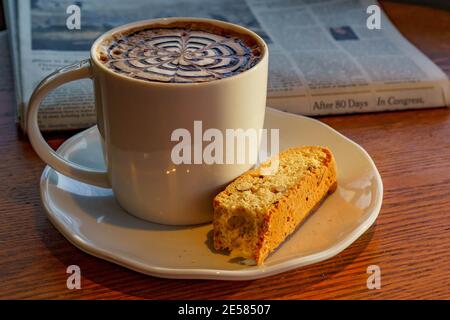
(179, 55)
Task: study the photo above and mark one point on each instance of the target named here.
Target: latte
(180, 53)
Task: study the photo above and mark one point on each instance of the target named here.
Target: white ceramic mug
(136, 119)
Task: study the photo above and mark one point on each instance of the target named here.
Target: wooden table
(410, 241)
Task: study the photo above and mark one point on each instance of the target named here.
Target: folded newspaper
(323, 57)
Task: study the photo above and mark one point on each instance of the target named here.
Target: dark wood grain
(410, 241)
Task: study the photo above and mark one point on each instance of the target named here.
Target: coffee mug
(136, 120)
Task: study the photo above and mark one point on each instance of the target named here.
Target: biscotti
(256, 212)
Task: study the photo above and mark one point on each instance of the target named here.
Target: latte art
(179, 55)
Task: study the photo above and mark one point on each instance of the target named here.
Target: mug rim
(138, 24)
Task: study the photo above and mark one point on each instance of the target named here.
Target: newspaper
(323, 58)
(6, 80)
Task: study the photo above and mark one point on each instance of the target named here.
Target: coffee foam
(181, 55)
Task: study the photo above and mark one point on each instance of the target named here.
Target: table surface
(410, 241)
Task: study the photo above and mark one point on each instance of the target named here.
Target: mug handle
(77, 71)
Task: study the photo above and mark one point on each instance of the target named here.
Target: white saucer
(90, 218)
